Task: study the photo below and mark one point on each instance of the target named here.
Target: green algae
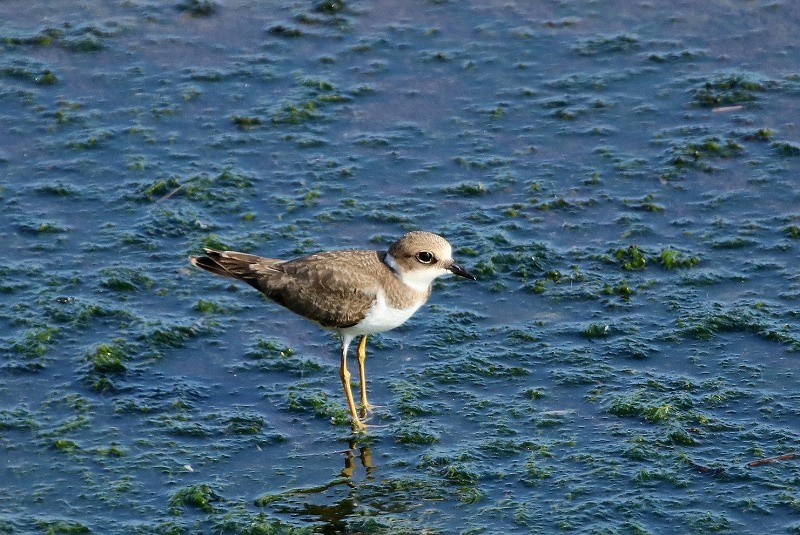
(313, 98)
(412, 434)
(296, 114)
(635, 406)
(695, 154)
(488, 162)
(709, 322)
(246, 122)
(634, 258)
(646, 204)
(468, 189)
(269, 348)
(209, 307)
(791, 231)
(94, 140)
(113, 450)
(613, 44)
(548, 244)
(29, 351)
(535, 469)
(18, 418)
(61, 527)
(43, 228)
(66, 445)
(410, 399)
(674, 259)
(281, 30)
(631, 258)
(220, 191)
(79, 313)
(58, 189)
(786, 149)
(122, 279)
(246, 424)
(319, 404)
(259, 524)
(47, 77)
(199, 8)
(271, 355)
(673, 56)
(200, 496)
(622, 289)
(166, 335)
(32, 72)
(729, 90)
(596, 331)
(762, 134)
(108, 359)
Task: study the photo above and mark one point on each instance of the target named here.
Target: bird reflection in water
(332, 516)
(364, 459)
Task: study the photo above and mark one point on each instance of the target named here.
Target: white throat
(417, 279)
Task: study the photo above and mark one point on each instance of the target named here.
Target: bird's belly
(382, 317)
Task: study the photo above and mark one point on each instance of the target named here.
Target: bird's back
(334, 289)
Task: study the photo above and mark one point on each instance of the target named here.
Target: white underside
(381, 317)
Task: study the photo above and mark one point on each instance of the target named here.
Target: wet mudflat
(622, 177)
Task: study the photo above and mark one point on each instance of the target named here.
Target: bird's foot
(359, 427)
(367, 408)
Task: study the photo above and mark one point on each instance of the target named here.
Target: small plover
(352, 292)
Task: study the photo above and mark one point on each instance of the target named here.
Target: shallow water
(622, 177)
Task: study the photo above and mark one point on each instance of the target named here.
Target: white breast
(381, 317)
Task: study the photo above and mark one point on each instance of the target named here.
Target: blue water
(621, 176)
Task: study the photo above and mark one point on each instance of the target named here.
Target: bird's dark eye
(425, 257)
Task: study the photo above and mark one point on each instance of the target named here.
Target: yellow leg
(362, 372)
(344, 374)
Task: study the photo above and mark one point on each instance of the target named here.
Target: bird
(353, 292)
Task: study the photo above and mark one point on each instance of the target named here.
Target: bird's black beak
(461, 272)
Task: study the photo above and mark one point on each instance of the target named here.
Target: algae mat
(622, 177)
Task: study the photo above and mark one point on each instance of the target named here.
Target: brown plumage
(353, 292)
(334, 289)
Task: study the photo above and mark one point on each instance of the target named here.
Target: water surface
(621, 176)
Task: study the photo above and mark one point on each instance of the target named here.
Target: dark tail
(209, 263)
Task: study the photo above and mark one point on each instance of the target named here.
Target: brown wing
(325, 287)
(235, 265)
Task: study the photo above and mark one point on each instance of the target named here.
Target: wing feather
(331, 289)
